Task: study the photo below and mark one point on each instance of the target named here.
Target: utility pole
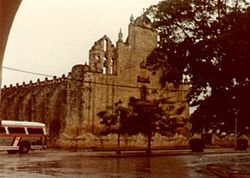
(236, 127)
(118, 107)
(235, 120)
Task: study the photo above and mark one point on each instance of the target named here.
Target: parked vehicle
(22, 136)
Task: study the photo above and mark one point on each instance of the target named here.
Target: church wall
(43, 101)
(123, 85)
(69, 105)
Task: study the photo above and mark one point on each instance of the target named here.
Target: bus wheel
(12, 151)
(24, 147)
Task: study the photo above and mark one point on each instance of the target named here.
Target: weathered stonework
(69, 105)
(43, 101)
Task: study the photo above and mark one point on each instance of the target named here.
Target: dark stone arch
(56, 115)
(8, 9)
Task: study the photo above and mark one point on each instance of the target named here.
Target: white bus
(22, 136)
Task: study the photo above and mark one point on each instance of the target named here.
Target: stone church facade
(69, 104)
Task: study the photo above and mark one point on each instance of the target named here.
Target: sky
(51, 36)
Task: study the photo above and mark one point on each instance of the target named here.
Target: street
(54, 163)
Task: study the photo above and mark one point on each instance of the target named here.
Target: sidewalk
(142, 153)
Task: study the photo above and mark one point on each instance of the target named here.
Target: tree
(207, 41)
(146, 115)
(142, 116)
(108, 119)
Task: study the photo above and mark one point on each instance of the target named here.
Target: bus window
(2, 130)
(35, 130)
(16, 130)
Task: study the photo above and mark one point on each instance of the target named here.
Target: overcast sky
(51, 36)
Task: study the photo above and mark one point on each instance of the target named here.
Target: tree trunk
(149, 142)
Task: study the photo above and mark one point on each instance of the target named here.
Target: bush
(207, 139)
(241, 144)
(196, 145)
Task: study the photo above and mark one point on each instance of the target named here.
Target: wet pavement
(179, 164)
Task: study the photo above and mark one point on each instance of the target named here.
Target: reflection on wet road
(52, 163)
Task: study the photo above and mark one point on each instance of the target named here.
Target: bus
(22, 136)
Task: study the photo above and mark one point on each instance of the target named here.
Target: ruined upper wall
(102, 56)
(141, 40)
(106, 58)
(144, 24)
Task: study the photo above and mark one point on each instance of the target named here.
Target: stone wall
(42, 101)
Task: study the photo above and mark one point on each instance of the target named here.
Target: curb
(160, 153)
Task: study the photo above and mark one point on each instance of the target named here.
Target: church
(115, 72)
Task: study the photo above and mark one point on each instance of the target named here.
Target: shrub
(241, 144)
(196, 145)
(207, 139)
